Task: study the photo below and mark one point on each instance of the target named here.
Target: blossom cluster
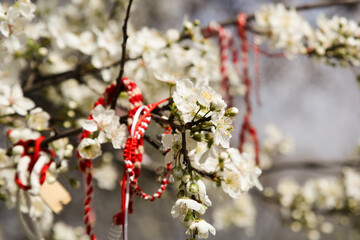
(204, 150)
(284, 28)
(106, 126)
(13, 20)
(304, 205)
(334, 41)
(240, 212)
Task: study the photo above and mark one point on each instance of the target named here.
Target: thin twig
(159, 119)
(42, 81)
(152, 142)
(310, 165)
(61, 135)
(123, 56)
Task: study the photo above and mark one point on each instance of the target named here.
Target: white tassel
(115, 232)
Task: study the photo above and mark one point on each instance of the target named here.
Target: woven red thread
(247, 126)
(226, 41)
(32, 149)
(85, 166)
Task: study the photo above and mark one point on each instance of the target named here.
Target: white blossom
(352, 183)
(182, 206)
(203, 228)
(106, 176)
(107, 123)
(285, 28)
(240, 173)
(13, 101)
(89, 148)
(174, 143)
(38, 119)
(22, 134)
(66, 232)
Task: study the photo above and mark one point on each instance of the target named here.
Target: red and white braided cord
(133, 152)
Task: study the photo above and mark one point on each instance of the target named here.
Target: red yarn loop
(32, 149)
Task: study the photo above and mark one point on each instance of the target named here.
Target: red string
(257, 74)
(247, 126)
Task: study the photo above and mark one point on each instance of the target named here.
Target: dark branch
(311, 165)
(57, 136)
(152, 142)
(161, 120)
(123, 56)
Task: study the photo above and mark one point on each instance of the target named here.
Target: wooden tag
(54, 195)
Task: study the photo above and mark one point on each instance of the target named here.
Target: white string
(127, 199)
(127, 195)
(135, 119)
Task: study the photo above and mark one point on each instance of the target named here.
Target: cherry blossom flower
(107, 123)
(203, 228)
(240, 173)
(38, 119)
(106, 176)
(174, 143)
(13, 101)
(89, 148)
(182, 206)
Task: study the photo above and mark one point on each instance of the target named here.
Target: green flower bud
(186, 178)
(178, 173)
(231, 112)
(193, 188)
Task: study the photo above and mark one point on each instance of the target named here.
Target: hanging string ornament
(32, 166)
(247, 126)
(139, 117)
(226, 46)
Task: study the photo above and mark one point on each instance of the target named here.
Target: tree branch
(311, 165)
(57, 136)
(152, 142)
(123, 55)
(233, 21)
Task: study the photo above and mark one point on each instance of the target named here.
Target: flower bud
(197, 137)
(186, 178)
(217, 104)
(177, 173)
(231, 112)
(189, 217)
(223, 156)
(193, 188)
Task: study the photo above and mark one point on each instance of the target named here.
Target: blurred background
(316, 105)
